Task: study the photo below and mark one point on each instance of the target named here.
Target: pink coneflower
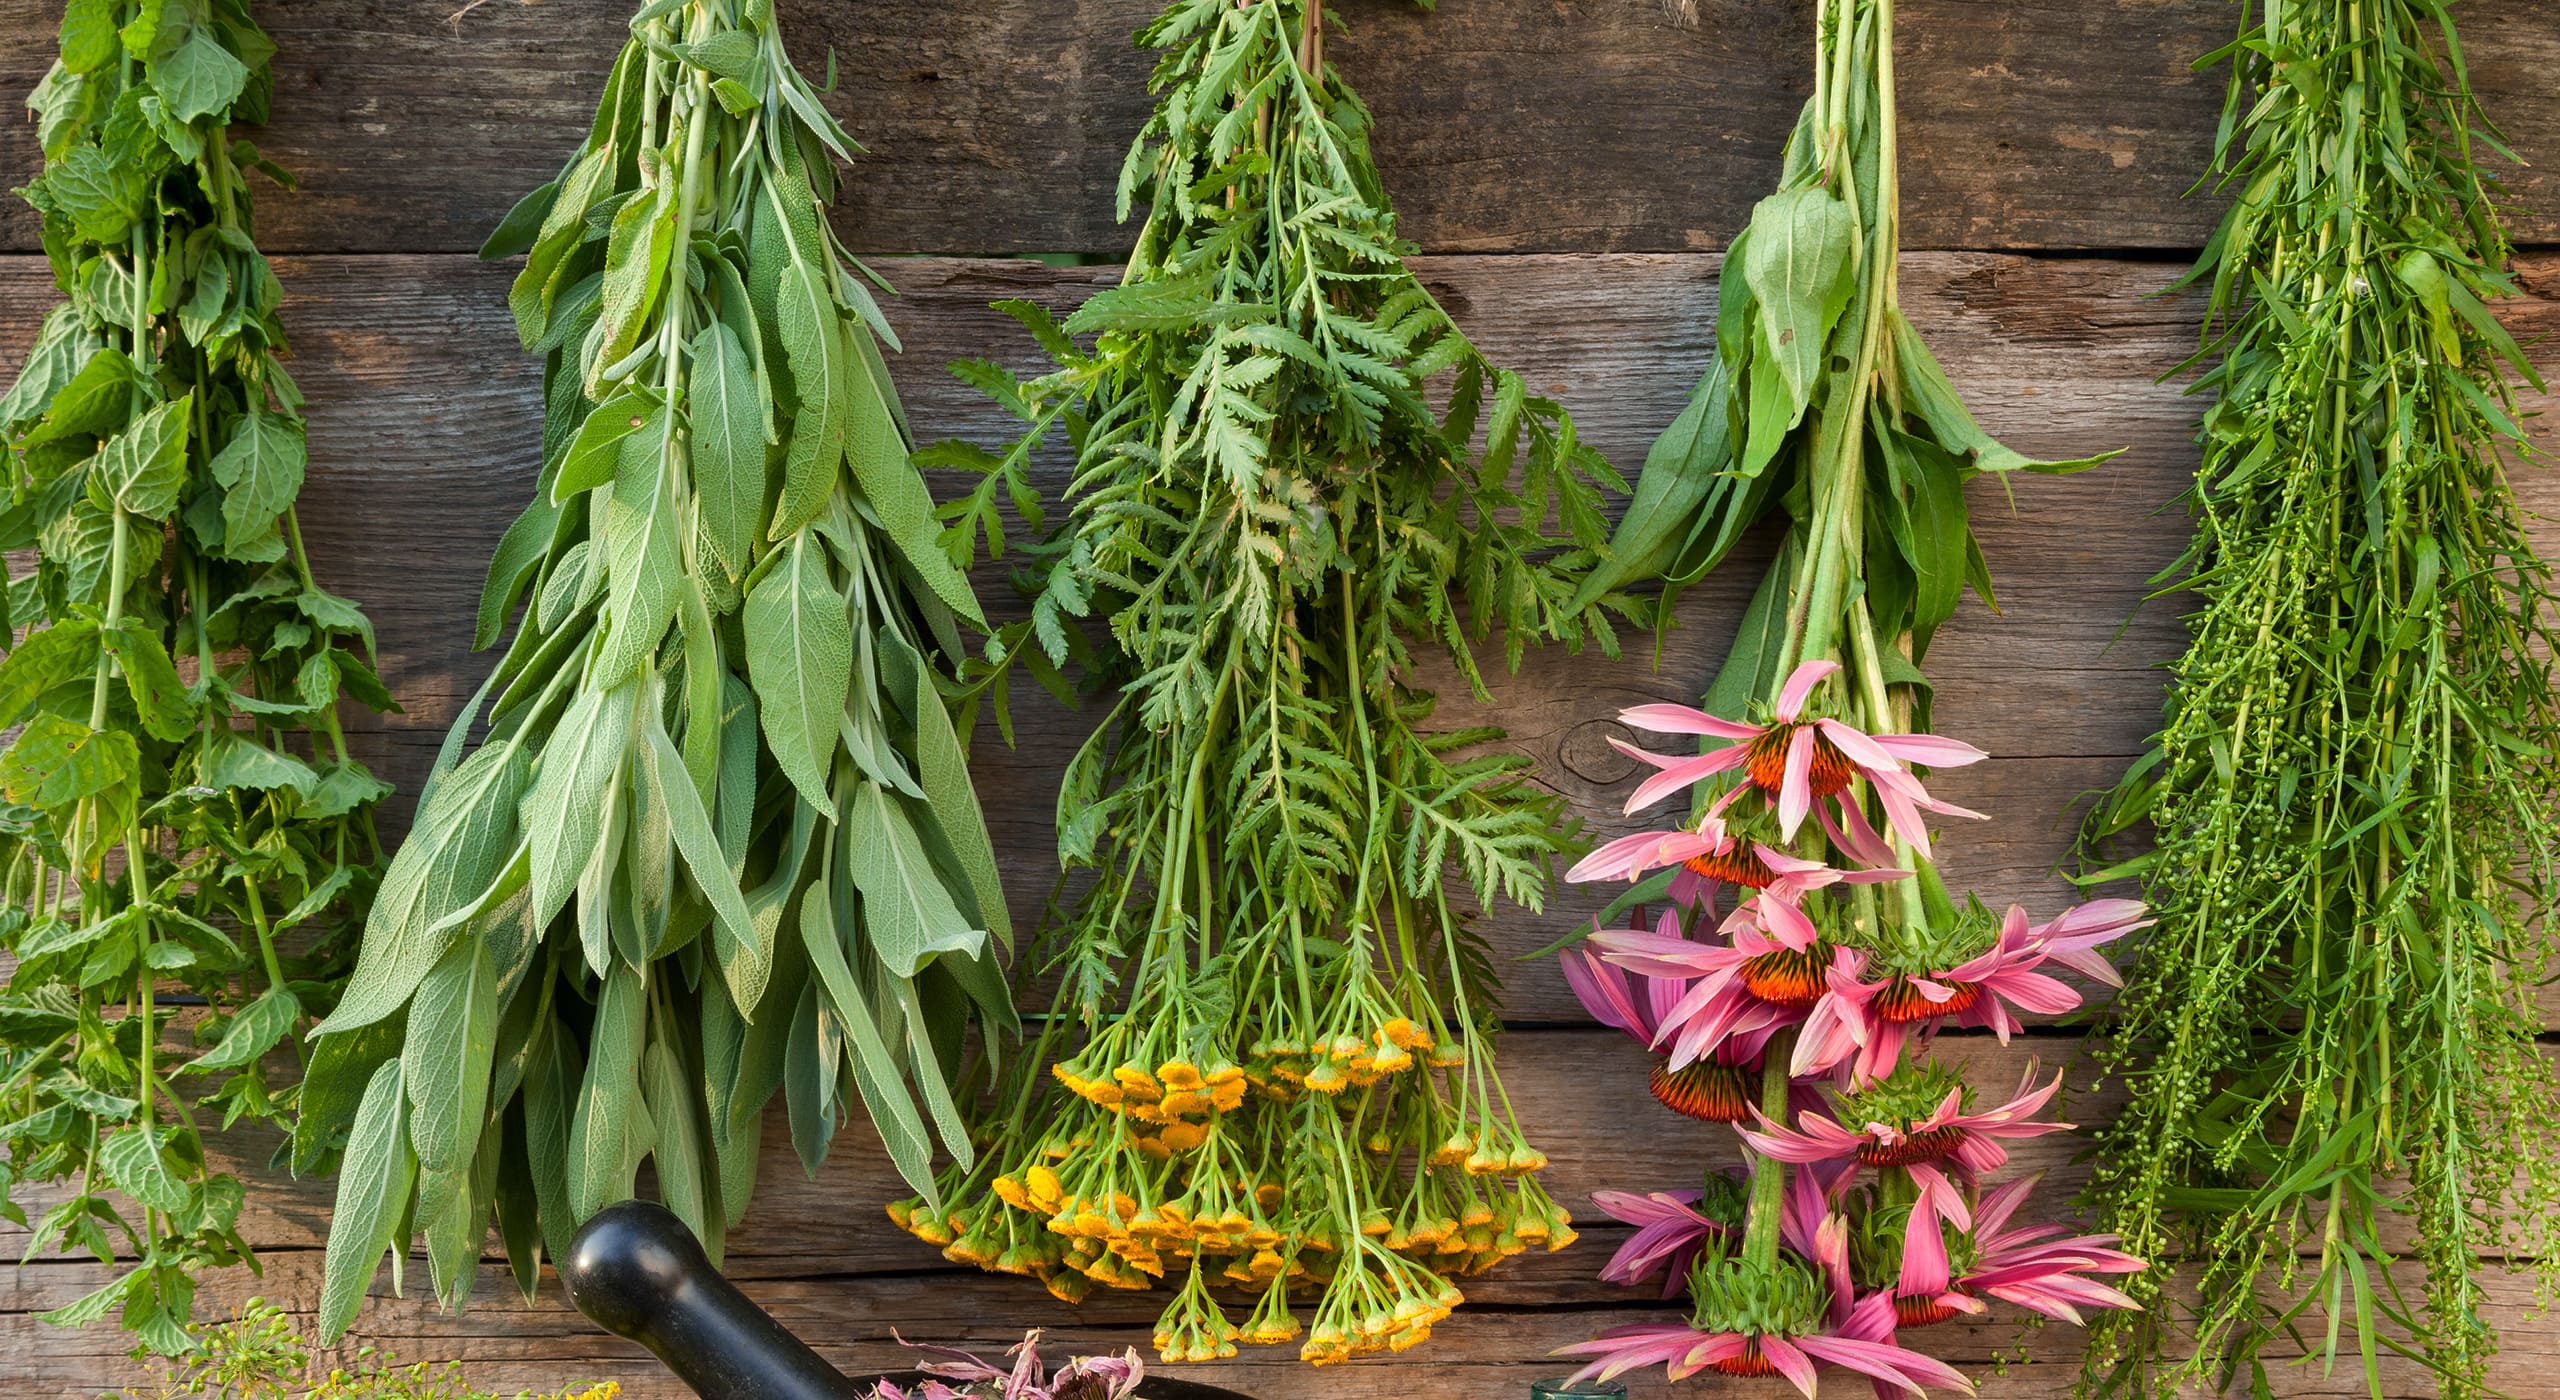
(1833, 1327)
(1713, 854)
(1797, 764)
(1926, 1145)
(1674, 1227)
(2033, 1266)
(1719, 1087)
(1945, 1133)
(1670, 1231)
(1768, 972)
(1874, 1019)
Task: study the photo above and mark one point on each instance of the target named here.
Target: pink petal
(1630, 857)
(1791, 1363)
(1785, 922)
(1661, 955)
(1832, 1033)
(1676, 773)
(1680, 719)
(1795, 792)
(1603, 992)
(1853, 835)
(1652, 1208)
(1799, 687)
(2089, 963)
(1903, 820)
(1998, 1204)
(1860, 747)
(1929, 750)
(1897, 1365)
(2032, 991)
(1924, 1251)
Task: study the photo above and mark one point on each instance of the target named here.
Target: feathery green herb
(2353, 790)
(719, 841)
(1274, 1029)
(179, 820)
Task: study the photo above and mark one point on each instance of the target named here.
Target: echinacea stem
(1768, 1174)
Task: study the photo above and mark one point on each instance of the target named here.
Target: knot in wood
(1586, 753)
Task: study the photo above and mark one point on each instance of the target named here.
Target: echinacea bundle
(1270, 1061)
(1810, 954)
(1776, 1004)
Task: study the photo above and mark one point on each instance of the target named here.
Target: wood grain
(1565, 125)
(424, 435)
(425, 432)
(819, 1254)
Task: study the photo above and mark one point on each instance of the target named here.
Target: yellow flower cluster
(1365, 1171)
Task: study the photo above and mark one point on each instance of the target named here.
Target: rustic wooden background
(1572, 166)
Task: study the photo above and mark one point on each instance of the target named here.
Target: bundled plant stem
(1807, 1019)
(2352, 795)
(1270, 1059)
(180, 824)
(720, 840)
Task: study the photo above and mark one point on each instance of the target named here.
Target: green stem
(1760, 1235)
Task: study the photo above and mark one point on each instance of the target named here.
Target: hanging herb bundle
(719, 840)
(2352, 794)
(1807, 1018)
(180, 823)
(1270, 1062)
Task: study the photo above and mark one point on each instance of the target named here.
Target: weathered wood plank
(1578, 125)
(1580, 1093)
(425, 432)
(1487, 1349)
(424, 437)
(819, 1254)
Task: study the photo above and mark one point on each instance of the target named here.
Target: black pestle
(638, 1272)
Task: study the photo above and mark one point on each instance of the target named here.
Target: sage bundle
(719, 841)
(2353, 792)
(1810, 953)
(181, 826)
(1269, 1063)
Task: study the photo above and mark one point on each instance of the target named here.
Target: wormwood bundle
(720, 839)
(178, 814)
(1270, 1061)
(1808, 1019)
(2353, 790)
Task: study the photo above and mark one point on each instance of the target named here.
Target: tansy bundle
(1270, 1062)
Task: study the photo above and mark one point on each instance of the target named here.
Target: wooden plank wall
(1571, 165)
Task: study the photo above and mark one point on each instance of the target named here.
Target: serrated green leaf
(261, 471)
(55, 762)
(144, 467)
(139, 1164)
(255, 1029)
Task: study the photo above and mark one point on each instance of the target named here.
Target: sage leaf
(564, 812)
(373, 1192)
(800, 659)
(728, 447)
(446, 1071)
(906, 910)
(642, 559)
